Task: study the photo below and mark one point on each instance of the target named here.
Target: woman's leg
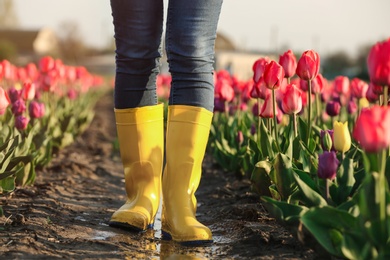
(190, 40)
(138, 26)
(191, 33)
(139, 120)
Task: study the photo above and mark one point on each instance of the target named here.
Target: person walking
(191, 28)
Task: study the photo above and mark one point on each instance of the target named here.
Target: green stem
(275, 121)
(318, 104)
(309, 116)
(327, 194)
(259, 119)
(385, 95)
(295, 125)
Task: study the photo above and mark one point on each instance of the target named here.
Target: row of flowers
(43, 107)
(315, 149)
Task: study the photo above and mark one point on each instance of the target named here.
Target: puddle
(103, 235)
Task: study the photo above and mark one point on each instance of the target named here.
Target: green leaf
(309, 197)
(260, 178)
(282, 176)
(283, 211)
(266, 142)
(345, 180)
(329, 225)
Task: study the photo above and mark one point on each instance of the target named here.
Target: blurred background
(80, 32)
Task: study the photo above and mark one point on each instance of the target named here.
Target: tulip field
(43, 108)
(316, 150)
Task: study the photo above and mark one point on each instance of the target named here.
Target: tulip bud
(327, 140)
(267, 108)
(273, 75)
(327, 165)
(308, 65)
(341, 136)
(240, 138)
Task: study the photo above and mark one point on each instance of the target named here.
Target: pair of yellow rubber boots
(141, 141)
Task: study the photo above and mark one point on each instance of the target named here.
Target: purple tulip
(18, 107)
(333, 108)
(36, 109)
(21, 122)
(327, 165)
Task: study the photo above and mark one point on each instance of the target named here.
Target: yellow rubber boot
(141, 144)
(188, 130)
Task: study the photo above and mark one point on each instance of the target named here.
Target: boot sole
(129, 227)
(167, 236)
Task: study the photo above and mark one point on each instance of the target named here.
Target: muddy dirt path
(65, 214)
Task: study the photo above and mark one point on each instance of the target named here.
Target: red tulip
(372, 129)
(317, 84)
(4, 101)
(46, 64)
(378, 63)
(289, 63)
(358, 88)
(371, 95)
(273, 75)
(308, 65)
(259, 67)
(292, 100)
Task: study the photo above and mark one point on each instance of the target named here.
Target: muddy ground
(65, 213)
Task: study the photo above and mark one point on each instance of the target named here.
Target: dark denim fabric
(191, 27)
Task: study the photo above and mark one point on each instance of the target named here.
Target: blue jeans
(190, 37)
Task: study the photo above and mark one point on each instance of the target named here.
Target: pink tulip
(259, 67)
(46, 64)
(267, 108)
(289, 63)
(372, 129)
(308, 65)
(4, 101)
(358, 88)
(224, 90)
(292, 100)
(28, 91)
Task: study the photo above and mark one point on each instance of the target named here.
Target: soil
(65, 213)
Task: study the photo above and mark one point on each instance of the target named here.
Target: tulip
(224, 90)
(292, 100)
(289, 63)
(371, 129)
(18, 107)
(308, 65)
(36, 109)
(46, 64)
(258, 68)
(28, 91)
(378, 63)
(260, 90)
(4, 101)
(371, 94)
(326, 138)
(352, 107)
(14, 94)
(333, 108)
(21, 122)
(341, 136)
(327, 165)
(273, 75)
(267, 108)
(358, 88)
(240, 138)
